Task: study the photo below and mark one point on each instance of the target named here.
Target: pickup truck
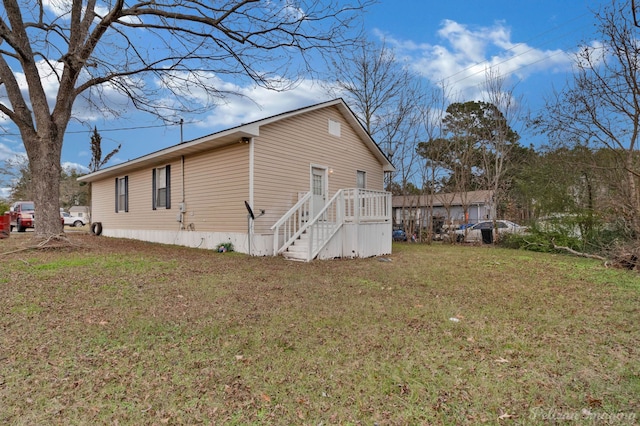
(21, 215)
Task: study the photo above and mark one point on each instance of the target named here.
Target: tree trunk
(633, 198)
(44, 163)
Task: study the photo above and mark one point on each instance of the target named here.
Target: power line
(524, 43)
(546, 57)
(125, 128)
(121, 129)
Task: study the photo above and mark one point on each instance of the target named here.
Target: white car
(72, 220)
(474, 233)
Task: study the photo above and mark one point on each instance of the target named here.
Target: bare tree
(458, 149)
(146, 52)
(601, 107)
(402, 134)
(372, 82)
(72, 192)
(431, 169)
(386, 96)
(501, 139)
(16, 170)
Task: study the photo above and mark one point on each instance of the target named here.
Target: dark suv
(21, 215)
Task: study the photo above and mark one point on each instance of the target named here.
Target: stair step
(294, 256)
(298, 247)
(299, 250)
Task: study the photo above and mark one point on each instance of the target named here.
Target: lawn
(122, 332)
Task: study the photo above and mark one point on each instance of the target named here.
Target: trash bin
(487, 236)
(5, 227)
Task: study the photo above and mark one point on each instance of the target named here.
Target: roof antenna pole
(181, 123)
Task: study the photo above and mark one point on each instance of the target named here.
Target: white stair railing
(290, 226)
(325, 224)
(347, 205)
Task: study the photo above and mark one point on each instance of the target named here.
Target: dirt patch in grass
(119, 331)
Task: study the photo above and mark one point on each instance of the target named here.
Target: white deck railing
(347, 205)
(365, 205)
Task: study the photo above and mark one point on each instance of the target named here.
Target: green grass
(126, 332)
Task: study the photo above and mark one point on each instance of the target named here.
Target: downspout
(182, 164)
(183, 209)
(251, 181)
(251, 171)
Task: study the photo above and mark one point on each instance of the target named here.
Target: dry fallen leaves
(505, 416)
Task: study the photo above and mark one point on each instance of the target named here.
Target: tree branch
(577, 253)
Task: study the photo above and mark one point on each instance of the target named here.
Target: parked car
(474, 233)
(70, 220)
(399, 235)
(21, 215)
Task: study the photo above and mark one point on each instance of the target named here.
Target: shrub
(565, 231)
(224, 247)
(573, 232)
(540, 241)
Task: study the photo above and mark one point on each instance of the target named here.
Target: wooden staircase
(298, 236)
(299, 249)
(306, 248)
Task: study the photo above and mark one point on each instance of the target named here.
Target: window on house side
(161, 187)
(361, 179)
(122, 194)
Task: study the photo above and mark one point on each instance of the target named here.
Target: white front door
(318, 189)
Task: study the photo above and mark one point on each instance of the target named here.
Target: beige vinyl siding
(286, 150)
(103, 201)
(217, 184)
(141, 214)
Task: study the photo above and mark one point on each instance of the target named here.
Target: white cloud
(460, 61)
(292, 12)
(48, 72)
(255, 103)
(466, 45)
(69, 166)
(62, 8)
(58, 7)
(6, 152)
(110, 101)
(232, 103)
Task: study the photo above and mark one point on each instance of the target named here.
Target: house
(307, 184)
(412, 211)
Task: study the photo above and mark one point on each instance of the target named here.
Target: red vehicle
(21, 215)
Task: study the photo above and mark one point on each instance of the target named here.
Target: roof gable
(235, 135)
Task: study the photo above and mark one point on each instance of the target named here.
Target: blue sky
(531, 42)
